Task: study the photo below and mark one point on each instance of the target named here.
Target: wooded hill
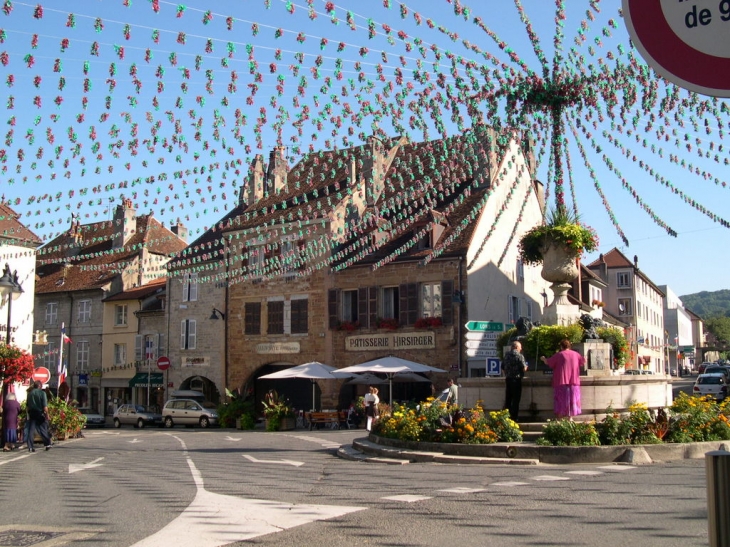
(708, 304)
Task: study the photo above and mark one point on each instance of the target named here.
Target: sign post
(687, 43)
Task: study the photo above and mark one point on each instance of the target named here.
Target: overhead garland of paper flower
(167, 105)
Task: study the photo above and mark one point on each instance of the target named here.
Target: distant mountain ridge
(708, 303)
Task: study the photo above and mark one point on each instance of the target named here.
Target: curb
(523, 453)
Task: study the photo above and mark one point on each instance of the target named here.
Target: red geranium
(16, 364)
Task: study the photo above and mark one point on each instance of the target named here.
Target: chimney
(636, 262)
(277, 172)
(180, 231)
(253, 191)
(373, 171)
(124, 223)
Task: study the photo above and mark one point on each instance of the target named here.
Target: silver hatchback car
(189, 412)
(136, 415)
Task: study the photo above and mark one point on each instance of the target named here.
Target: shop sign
(278, 347)
(391, 341)
(196, 361)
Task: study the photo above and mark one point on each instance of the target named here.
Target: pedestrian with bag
(371, 401)
(514, 370)
(11, 409)
(38, 417)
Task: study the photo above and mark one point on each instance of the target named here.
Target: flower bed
(690, 419)
(433, 421)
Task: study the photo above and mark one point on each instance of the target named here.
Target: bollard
(717, 467)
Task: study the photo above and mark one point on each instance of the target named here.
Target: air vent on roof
(60, 282)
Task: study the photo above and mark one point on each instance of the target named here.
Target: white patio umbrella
(390, 366)
(366, 378)
(313, 371)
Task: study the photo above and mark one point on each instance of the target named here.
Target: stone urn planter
(285, 424)
(559, 266)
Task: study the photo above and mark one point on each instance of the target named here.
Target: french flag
(61, 364)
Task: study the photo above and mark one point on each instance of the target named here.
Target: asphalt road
(186, 487)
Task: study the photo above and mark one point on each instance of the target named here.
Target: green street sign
(485, 326)
(686, 349)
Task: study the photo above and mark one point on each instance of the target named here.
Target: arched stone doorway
(201, 383)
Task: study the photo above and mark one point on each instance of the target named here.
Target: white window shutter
(186, 285)
(183, 333)
(193, 287)
(138, 351)
(160, 345)
(191, 334)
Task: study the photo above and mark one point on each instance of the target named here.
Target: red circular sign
(42, 374)
(163, 363)
(680, 41)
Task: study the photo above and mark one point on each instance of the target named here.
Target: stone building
(81, 267)
(635, 299)
(385, 248)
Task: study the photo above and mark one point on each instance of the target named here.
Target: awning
(140, 380)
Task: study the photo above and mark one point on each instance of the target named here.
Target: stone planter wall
(597, 394)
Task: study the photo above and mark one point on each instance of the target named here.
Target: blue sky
(120, 73)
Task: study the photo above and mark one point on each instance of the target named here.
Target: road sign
(483, 344)
(485, 326)
(483, 335)
(685, 42)
(687, 349)
(163, 363)
(494, 367)
(481, 352)
(42, 374)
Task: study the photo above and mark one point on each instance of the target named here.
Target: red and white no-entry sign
(163, 363)
(42, 374)
(688, 43)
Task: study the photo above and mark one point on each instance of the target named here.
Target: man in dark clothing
(514, 370)
(38, 417)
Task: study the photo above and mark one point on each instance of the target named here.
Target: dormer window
(424, 242)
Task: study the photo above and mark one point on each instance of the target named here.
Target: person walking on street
(11, 409)
(38, 416)
(566, 365)
(514, 370)
(371, 401)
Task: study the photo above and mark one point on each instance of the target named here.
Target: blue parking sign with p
(494, 367)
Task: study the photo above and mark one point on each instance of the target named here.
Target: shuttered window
(252, 311)
(276, 317)
(300, 316)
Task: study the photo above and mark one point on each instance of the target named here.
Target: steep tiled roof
(87, 260)
(138, 293)
(423, 177)
(613, 259)
(14, 232)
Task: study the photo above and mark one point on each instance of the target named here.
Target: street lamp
(9, 287)
(215, 313)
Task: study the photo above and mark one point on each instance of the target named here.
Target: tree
(720, 327)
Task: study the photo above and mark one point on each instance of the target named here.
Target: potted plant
(278, 412)
(428, 322)
(348, 325)
(390, 324)
(556, 245)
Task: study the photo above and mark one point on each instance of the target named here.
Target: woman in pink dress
(566, 365)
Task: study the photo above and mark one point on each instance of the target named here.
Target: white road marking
(229, 438)
(408, 498)
(213, 520)
(588, 473)
(286, 462)
(549, 478)
(135, 440)
(17, 457)
(616, 467)
(509, 483)
(76, 467)
(463, 490)
(103, 433)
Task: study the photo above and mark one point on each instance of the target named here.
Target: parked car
(632, 371)
(189, 412)
(136, 415)
(717, 369)
(702, 367)
(711, 384)
(93, 418)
